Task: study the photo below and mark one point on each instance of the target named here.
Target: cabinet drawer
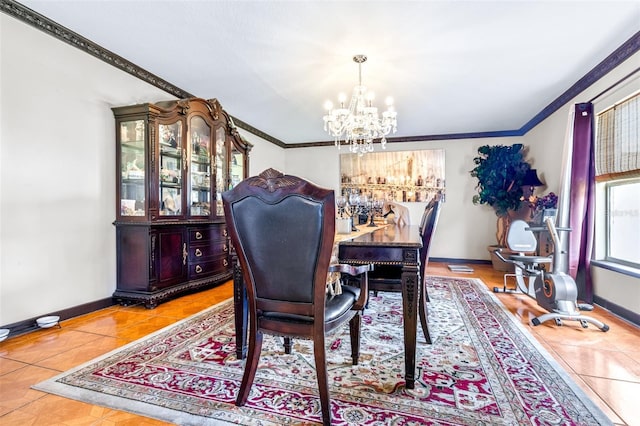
(207, 234)
(203, 269)
(206, 250)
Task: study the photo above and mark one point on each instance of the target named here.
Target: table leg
(240, 310)
(410, 316)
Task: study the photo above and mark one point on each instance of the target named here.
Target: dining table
(383, 244)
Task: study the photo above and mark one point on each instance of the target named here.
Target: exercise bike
(554, 291)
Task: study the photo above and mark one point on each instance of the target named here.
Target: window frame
(607, 223)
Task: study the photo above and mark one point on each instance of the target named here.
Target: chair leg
(424, 314)
(287, 345)
(251, 365)
(354, 334)
(323, 381)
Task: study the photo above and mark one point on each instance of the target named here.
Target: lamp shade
(531, 179)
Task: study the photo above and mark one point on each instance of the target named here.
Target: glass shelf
(175, 159)
(132, 168)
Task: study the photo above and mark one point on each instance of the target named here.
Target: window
(623, 222)
(618, 169)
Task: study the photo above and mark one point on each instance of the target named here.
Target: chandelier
(359, 124)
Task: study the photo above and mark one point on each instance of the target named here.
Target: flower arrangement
(538, 204)
(549, 201)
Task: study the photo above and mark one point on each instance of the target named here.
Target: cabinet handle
(198, 235)
(198, 269)
(184, 253)
(184, 158)
(225, 248)
(198, 253)
(225, 262)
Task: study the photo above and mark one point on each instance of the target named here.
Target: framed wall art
(401, 176)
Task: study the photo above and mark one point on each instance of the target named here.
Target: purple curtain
(582, 197)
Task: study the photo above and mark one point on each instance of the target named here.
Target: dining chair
(283, 228)
(388, 278)
(427, 228)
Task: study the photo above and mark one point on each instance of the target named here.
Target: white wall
(57, 171)
(546, 141)
(263, 155)
(464, 229)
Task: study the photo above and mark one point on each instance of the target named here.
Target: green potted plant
(500, 170)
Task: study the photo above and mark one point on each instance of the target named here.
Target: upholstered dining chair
(283, 229)
(389, 277)
(427, 228)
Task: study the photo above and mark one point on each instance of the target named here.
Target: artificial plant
(500, 170)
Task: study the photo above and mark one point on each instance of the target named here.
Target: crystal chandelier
(359, 124)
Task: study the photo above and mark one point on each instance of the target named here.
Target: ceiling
(452, 67)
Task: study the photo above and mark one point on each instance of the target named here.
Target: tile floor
(605, 365)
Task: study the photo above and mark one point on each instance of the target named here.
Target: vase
(536, 217)
(553, 213)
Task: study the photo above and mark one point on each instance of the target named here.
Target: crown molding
(621, 54)
(64, 34)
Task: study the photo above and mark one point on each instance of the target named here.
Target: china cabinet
(173, 161)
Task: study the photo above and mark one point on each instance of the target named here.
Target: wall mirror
(401, 176)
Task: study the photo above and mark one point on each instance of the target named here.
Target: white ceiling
(451, 66)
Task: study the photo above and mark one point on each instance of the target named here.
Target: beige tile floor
(605, 365)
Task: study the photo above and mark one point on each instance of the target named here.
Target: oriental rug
(483, 368)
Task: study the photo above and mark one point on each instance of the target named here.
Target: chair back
(520, 238)
(427, 229)
(282, 228)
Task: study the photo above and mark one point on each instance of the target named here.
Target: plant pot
(497, 263)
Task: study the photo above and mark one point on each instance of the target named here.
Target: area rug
(482, 368)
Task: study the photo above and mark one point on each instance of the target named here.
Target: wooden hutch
(173, 161)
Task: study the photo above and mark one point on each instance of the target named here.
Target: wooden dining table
(380, 245)
(398, 246)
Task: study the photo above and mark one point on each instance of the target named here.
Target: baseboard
(448, 260)
(622, 312)
(29, 325)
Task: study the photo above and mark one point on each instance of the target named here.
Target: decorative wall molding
(56, 30)
(249, 128)
(621, 54)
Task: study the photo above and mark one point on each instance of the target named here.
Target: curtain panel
(576, 201)
(582, 200)
(618, 141)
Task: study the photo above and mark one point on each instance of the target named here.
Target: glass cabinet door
(171, 166)
(200, 134)
(132, 168)
(221, 165)
(236, 171)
